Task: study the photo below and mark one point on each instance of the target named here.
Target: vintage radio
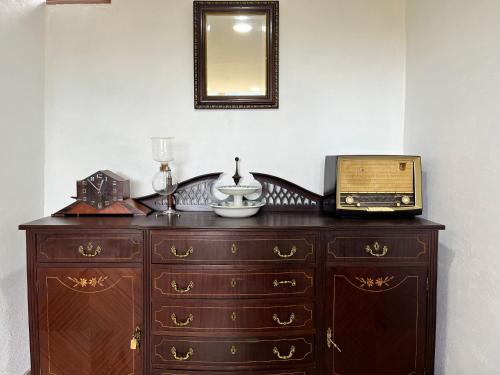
(373, 184)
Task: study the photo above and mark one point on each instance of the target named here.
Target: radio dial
(349, 200)
(405, 199)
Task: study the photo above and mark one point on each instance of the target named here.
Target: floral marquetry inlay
(370, 282)
(84, 282)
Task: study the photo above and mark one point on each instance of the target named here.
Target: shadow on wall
(445, 261)
(14, 297)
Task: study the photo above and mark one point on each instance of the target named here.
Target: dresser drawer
(206, 247)
(231, 316)
(191, 352)
(378, 246)
(88, 246)
(309, 371)
(221, 283)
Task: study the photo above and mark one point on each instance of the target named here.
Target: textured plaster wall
(21, 166)
(118, 74)
(452, 120)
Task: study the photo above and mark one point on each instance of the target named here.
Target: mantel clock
(102, 189)
(103, 193)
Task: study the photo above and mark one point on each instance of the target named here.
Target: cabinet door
(87, 317)
(376, 320)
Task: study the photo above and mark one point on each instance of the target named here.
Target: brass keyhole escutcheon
(233, 350)
(234, 249)
(233, 283)
(233, 316)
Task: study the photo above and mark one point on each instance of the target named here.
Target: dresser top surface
(208, 220)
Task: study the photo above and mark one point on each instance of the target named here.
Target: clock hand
(92, 184)
(100, 186)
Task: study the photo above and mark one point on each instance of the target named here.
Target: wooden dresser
(283, 293)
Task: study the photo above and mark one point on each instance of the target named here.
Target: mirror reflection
(236, 54)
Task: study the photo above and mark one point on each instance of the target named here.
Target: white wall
(452, 120)
(118, 74)
(21, 166)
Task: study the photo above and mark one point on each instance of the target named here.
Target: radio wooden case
(373, 184)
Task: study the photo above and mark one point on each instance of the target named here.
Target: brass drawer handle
(89, 251)
(184, 357)
(188, 321)
(188, 252)
(329, 340)
(376, 250)
(290, 320)
(289, 255)
(178, 290)
(135, 343)
(277, 283)
(276, 352)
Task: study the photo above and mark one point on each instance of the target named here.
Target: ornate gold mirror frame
(236, 54)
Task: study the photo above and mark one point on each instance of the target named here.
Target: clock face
(99, 190)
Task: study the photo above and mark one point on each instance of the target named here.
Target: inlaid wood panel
(230, 247)
(377, 246)
(192, 352)
(89, 246)
(224, 283)
(231, 316)
(376, 320)
(87, 317)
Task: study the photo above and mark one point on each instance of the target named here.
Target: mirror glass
(236, 54)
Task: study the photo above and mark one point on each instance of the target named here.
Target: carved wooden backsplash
(279, 194)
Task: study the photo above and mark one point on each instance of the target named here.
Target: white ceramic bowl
(227, 209)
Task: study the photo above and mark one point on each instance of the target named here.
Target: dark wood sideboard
(287, 292)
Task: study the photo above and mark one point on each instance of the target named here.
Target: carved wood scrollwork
(279, 194)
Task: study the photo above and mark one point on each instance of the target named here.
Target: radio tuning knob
(405, 199)
(349, 200)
